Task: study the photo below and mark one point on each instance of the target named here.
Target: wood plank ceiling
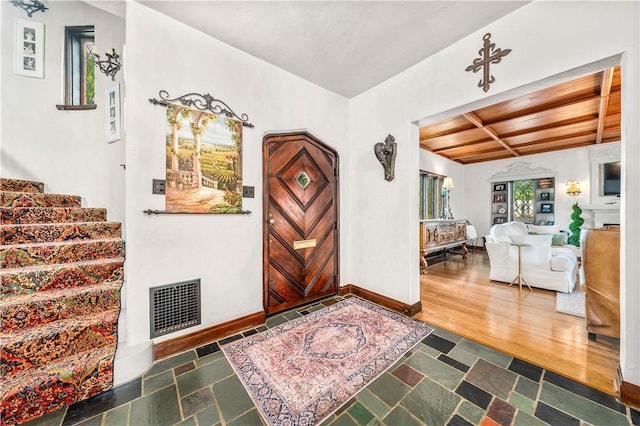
(577, 113)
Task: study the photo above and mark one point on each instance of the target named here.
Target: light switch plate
(248, 191)
(158, 186)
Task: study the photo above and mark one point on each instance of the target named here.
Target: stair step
(19, 185)
(36, 199)
(27, 215)
(22, 281)
(51, 232)
(35, 392)
(38, 346)
(24, 255)
(38, 309)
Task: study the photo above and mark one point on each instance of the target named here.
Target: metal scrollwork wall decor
(109, 66)
(488, 55)
(204, 102)
(29, 6)
(386, 154)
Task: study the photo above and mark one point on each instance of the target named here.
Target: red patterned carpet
(302, 371)
(61, 270)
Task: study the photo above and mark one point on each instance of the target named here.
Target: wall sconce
(386, 154)
(110, 66)
(29, 6)
(573, 188)
(447, 185)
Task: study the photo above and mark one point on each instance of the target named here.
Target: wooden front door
(300, 253)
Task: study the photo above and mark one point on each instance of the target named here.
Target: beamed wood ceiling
(577, 113)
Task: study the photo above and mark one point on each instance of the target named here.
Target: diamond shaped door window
(303, 180)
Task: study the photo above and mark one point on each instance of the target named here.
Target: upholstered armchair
(601, 272)
(543, 265)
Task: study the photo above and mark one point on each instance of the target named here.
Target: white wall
(225, 252)
(546, 39)
(64, 149)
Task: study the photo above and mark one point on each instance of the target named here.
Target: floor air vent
(174, 307)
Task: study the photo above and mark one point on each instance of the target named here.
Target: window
(430, 199)
(522, 200)
(79, 66)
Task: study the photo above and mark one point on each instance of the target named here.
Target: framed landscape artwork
(29, 50)
(203, 162)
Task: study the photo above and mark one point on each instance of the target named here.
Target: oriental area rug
(302, 371)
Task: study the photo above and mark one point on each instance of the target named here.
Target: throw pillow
(534, 240)
(544, 229)
(558, 239)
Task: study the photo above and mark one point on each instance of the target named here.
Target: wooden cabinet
(440, 234)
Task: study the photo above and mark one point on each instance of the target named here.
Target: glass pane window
(430, 199)
(522, 201)
(79, 66)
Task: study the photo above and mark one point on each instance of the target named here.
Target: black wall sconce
(386, 154)
(29, 6)
(110, 66)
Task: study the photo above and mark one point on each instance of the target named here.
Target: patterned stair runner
(61, 271)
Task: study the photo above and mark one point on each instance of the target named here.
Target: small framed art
(499, 187)
(546, 208)
(113, 113)
(545, 196)
(499, 198)
(29, 51)
(545, 183)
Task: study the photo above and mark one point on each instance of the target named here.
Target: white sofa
(543, 265)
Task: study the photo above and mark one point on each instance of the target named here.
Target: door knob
(271, 220)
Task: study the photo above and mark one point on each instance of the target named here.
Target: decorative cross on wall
(487, 56)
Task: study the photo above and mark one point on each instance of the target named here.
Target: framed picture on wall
(29, 50)
(499, 219)
(545, 196)
(499, 198)
(112, 102)
(546, 208)
(499, 187)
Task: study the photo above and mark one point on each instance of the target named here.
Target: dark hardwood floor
(458, 296)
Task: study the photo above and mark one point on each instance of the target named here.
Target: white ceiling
(344, 46)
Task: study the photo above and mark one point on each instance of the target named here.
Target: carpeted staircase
(61, 269)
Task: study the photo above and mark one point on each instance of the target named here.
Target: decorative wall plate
(502, 210)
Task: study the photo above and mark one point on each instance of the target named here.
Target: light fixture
(110, 66)
(573, 188)
(29, 6)
(447, 185)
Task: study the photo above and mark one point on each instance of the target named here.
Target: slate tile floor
(444, 380)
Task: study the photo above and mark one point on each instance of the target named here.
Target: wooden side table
(519, 279)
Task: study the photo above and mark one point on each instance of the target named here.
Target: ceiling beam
(605, 90)
(476, 121)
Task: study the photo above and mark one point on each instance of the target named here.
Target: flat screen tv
(611, 179)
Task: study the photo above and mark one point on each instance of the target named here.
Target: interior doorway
(597, 111)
